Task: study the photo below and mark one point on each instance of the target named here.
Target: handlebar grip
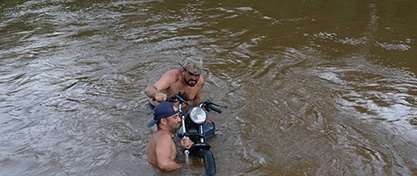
(214, 109)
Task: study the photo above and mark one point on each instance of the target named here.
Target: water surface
(313, 87)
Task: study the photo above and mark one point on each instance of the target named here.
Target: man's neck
(164, 129)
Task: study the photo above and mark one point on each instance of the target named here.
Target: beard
(174, 129)
(191, 82)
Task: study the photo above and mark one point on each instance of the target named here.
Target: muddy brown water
(314, 87)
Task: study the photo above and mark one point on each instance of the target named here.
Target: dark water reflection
(313, 87)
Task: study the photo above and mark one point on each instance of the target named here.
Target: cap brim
(151, 123)
(194, 71)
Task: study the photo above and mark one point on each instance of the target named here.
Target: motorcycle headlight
(198, 115)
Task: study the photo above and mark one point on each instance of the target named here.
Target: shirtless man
(187, 80)
(161, 150)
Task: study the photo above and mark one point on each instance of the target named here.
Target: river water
(314, 87)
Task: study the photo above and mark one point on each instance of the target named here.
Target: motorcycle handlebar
(208, 105)
(177, 97)
(211, 107)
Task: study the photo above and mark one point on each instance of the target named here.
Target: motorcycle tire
(209, 163)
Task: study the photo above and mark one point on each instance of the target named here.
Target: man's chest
(190, 92)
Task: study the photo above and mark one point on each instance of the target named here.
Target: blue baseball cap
(162, 110)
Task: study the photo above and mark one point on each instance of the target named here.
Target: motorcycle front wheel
(209, 163)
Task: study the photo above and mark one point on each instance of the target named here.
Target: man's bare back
(160, 138)
(161, 150)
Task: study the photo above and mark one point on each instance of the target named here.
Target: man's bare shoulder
(168, 78)
(162, 136)
(201, 82)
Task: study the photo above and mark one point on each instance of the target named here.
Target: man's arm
(164, 152)
(153, 92)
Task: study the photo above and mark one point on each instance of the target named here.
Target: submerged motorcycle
(198, 128)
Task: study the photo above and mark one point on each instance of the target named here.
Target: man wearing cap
(161, 150)
(185, 80)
